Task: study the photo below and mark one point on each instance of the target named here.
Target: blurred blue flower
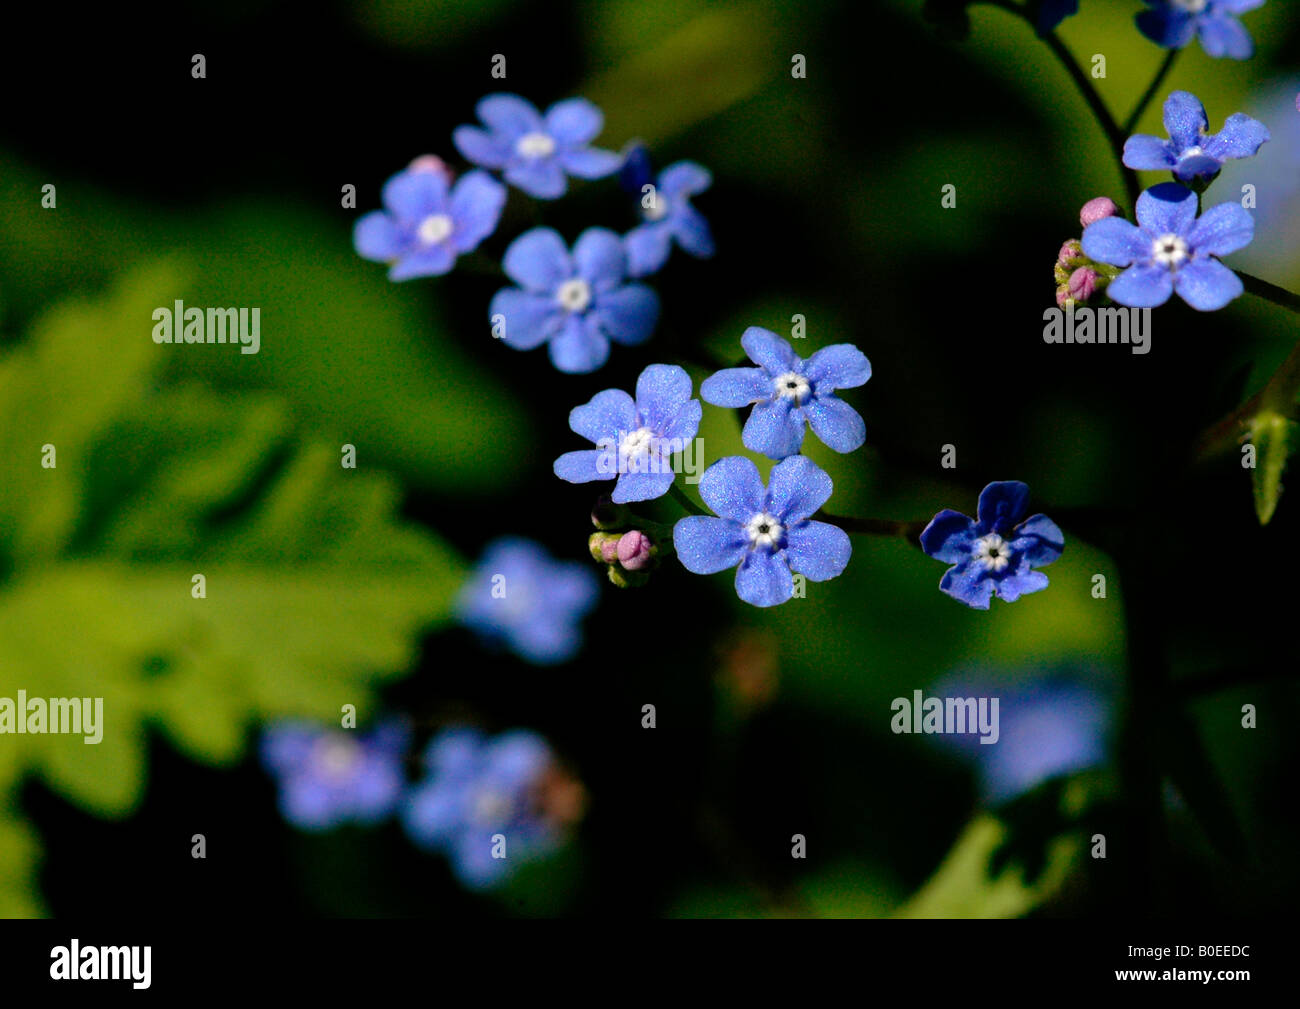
(1275, 178)
(1172, 24)
(668, 218)
(766, 534)
(1049, 728)
(995, 554)
(787, 391)
(521, 599)
(479, 787)
(534, 152)
(575, 304)
(1052, 12)
(427, 222)
(1170, 249)
(635, 439)
(332, 776)
(1191, 151)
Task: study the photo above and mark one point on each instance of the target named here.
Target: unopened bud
(634, 550)
(604, 547)
(430, 163)
(1070, 251)
(1097, 209)
(1083, 282)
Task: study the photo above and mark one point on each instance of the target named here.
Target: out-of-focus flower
(1172, 24)
(332, 776)
(519, 598)
(667, 217)
(491, 804)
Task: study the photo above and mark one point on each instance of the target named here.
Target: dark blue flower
(635, 439)
(1048, 728)
(1170, 249)
(534, 152)
(333, 776)
(1052, 12)
(766, 534)
(1172, 24)
(520, 598)
(667, 216)
(427, 222)
(1192, 152)
(996, 554)
(479, 788)
(787, 391)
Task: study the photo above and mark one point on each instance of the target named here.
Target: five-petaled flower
(520, 598)
(667, 216)
(995, 553)
(766, 534)
(427, 222)
(330, 776)
(1173, 24)
(1191, 151)
(1170, 249)
(787, 391)
(490, 804)
(635, 439)
(535, 153)
(577, 303)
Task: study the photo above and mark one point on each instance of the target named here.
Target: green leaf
(962, 886)
(1270, 434)
(20, 854)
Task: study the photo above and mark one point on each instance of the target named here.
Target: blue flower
(766, 534)
(1170, 250)
(333, 776)
(1172, 24)
(535, 152)
(1050, 728)
(1192, 152)
(519, 598)
(574, 304)
(1052, 12)
(428, 222)
(477, 788)
(635, 439)
(669, 217)
(995, 554)
(788, 390)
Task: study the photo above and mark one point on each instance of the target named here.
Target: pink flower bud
(1097, 209)
(1062, 296)
(1070, 251)
(430, 163)
(1083, 282)
(634, 550)
(609, 550)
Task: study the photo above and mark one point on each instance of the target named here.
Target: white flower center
(1193, 152)
(492, 808)
(1169, 250)
(658, 208)
(764, 531)
(574, 295)
(435, 228)
(793, 386)
(1192, 6)
(336, 757)
(535, 145)
(635, 447)
(993, 552)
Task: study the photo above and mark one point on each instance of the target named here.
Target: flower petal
(377, 238)
(839, 366)
(1165, 209)
(796, 488)
(733, 488)
(477, 200)
(1147, 153)
(574, 122)
(604, 416)
(539, 177)
(480, 147)
(1039, 540)
(769, 351)
(1207, 285)
(1222, 35)
(818, 550)
(1012, 587)
(1241, 137)
(1167, 27)
(584, 466)
(691, 231)
(413, 196)
(530, 319)
(647, 247)
(1002, 503)
(599, 258)
(627, 314)
(1116, 241)
(684, 178)
(1222, 230)
(764, 579)
(1142, 287)
(707, 545)
(965, 583)
(1185, 119)
(736, 387)
(950, 537)
(430, 261)
(642, 486)
(538, 260)
(580, 347)
(591, 163)
(509, 115)
(661, 390)
(837, 424)
(774, 428)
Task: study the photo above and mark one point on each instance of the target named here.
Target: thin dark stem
(874, 527)
(1279, 296)
(1130, 124)
(680, 497)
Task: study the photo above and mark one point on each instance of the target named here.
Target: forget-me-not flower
(520, 598)
(995, 553)
(427, 221)
(635, 439)
(486, 803)
(666, 213)
(1172, 24)
(1191, 151)
(536, 153)
(332, 776)
(766, 533)
(1171, 249)
(576, 304)
(786, 391)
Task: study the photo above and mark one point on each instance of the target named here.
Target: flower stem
(687, 504)
(1279, 296)
(874, 527)
(1130, 124)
